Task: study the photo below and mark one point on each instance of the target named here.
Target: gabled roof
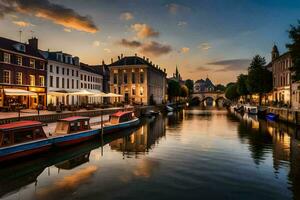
(9, 45)
(91, 68)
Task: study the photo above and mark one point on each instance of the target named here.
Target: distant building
(63, 78)
(138, 79)
(91, 79)
(204, 86)
(22, 67)
(177, 77)
(281, 76)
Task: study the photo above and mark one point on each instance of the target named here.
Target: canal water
(193, 154)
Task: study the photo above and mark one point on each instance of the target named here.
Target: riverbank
(48, 116)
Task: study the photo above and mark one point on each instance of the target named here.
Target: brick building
(22, 71)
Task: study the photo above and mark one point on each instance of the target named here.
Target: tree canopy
(294, 48)
(220, 87)
(242, 85)
(231, 92)
(174, 89)
(184, 91)
(190, 85)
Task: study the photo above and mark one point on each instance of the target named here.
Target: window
(125, 78)
(63, 82)
(141, 91)
(6, 76)
(6, 58)
(72, 83)
(51, 81)
(32, 80)
(142, 77)
(57, 69)
(42, 65)
(77, 73)
(19, 60)
(51, 68)
(57, 82)
(77, 84)
(132, 77)
(72, 72)
(19, 77)
(81, 77)
(115, 78)
(42, 81)
(68, 71)
(63, 71)
(133, 91)
(32, 63)
(68, 84)
(84, 77)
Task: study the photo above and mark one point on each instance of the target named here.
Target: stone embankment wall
(287, 115)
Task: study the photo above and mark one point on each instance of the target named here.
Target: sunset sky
(214, 38)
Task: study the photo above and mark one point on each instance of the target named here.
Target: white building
(63, 78)
(91, 80)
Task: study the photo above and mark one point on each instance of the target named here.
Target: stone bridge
(214, 97)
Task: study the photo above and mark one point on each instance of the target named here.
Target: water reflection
(141, 140)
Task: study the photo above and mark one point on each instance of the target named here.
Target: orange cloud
(144, 31)
(126, 16)
(56, 13)
(22, 23)
(185, 49)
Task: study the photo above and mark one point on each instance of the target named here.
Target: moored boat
(119, 121)
(272, 117)
(22, 138)
(251, 109)
(73, 130)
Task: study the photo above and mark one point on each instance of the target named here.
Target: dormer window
(22, 47)
(59, 57)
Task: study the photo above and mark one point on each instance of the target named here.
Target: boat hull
(24, 150)
(75, 138)
(121, 126)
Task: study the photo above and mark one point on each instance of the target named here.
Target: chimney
(143, 57)
(121, 55)
(135, 55)
(147, 59)
(165, 70)
(111, 60)
(33, 42)
(103, 63)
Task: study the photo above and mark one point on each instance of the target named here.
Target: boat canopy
(18, 92)
(20, 125)
(120, 117)
(72, 124)
(120, 113)
(74, 118)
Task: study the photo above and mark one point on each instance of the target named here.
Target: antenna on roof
(32, 32)
(20, 35)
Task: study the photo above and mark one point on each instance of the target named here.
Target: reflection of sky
(198, 155)
(198, 31)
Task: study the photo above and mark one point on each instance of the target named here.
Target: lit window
(6, 57)
(42, 65)
(141, 91)
(42, 81)
(6, 76)
(19, 60)
(32, 80)
(19, 78)
(32, 63)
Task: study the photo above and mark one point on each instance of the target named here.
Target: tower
(275, 52)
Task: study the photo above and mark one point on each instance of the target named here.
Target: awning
(112, 95)
(60, 93)
(99, 94)
(18, 92)
(83, 93)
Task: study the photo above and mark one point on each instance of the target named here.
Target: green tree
(294, 48)
(242, 89)
(259, 77)
(184, 91)
(190, 85)
(231, 92)
(220, 87)
(173, 89)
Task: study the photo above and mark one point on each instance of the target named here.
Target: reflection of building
(142, 139)
(138, 79)
(22, 67)
(281, 76)
(63, 78)
(204, 86)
